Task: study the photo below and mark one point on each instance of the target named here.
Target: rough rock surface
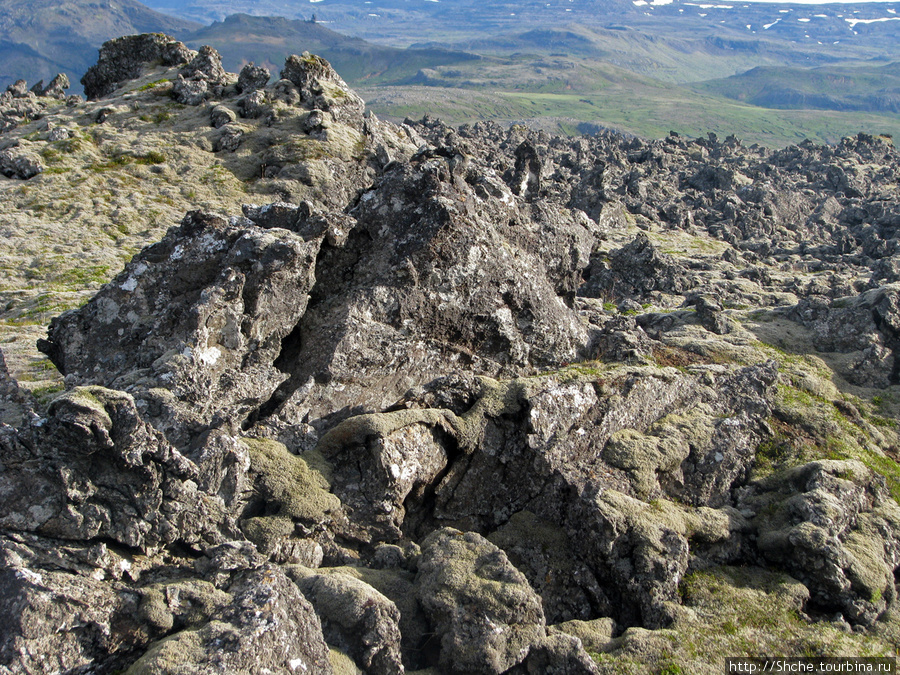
(200, 79)
(123, 59)
(473, 400)
(483, 611)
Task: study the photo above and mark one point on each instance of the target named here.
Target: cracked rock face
(481, 401)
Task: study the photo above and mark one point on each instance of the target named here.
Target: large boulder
(194, 325)
(481, 607)
(268, 626)
(93, 469)
(125, 58)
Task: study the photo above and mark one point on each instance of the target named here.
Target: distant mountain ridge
(40, 38)
(872, 88)
(268, 40)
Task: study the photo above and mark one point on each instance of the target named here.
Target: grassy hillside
(871, 88)
(639, 109)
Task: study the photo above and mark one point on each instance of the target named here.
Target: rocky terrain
(409, 398)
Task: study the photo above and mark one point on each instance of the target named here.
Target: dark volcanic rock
(57, 621)
(268, 626)
(21, 165)
(110, 476)
(200, 79)
(194, 323)
(469, 400)
(252, 77)
(320, 87)
(124, 58)
(635, 271)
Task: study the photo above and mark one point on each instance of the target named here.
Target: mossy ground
(739, 611)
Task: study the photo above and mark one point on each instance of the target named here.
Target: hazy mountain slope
(268, 40)
(18, 60)
(834, 28)
(64, 36)
(872, 88)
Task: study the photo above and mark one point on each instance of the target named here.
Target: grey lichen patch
(89, 399)
(667, 443)
(643, 456)
(291, 490)
(496, 399)
(356, 618)
(267, 531)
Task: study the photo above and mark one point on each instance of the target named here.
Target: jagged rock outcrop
(475, 400)
(110, 476)
(20, 164)
(205, 317)
(252, 77)
(818, 523)
(268, 626)
(202, 78)
(123, 59)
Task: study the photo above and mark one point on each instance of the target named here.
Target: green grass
(847, 87)
(81, 277)
(152, 85)
(810, 427)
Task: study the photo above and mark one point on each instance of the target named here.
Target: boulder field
(454, 400)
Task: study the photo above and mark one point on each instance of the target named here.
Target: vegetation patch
(738, 611)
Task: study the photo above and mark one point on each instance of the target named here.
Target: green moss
(167, 655)
(734, 611)
(151, 157)
(291, 489)
(342, 664)
(189, 602)
(811, 427)
(152, 85)
(158, 117)
(79, 277)
(47, 393)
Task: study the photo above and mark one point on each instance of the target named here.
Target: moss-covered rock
(480, 606)
(356, 619)
(833, 525)
(291, 492)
